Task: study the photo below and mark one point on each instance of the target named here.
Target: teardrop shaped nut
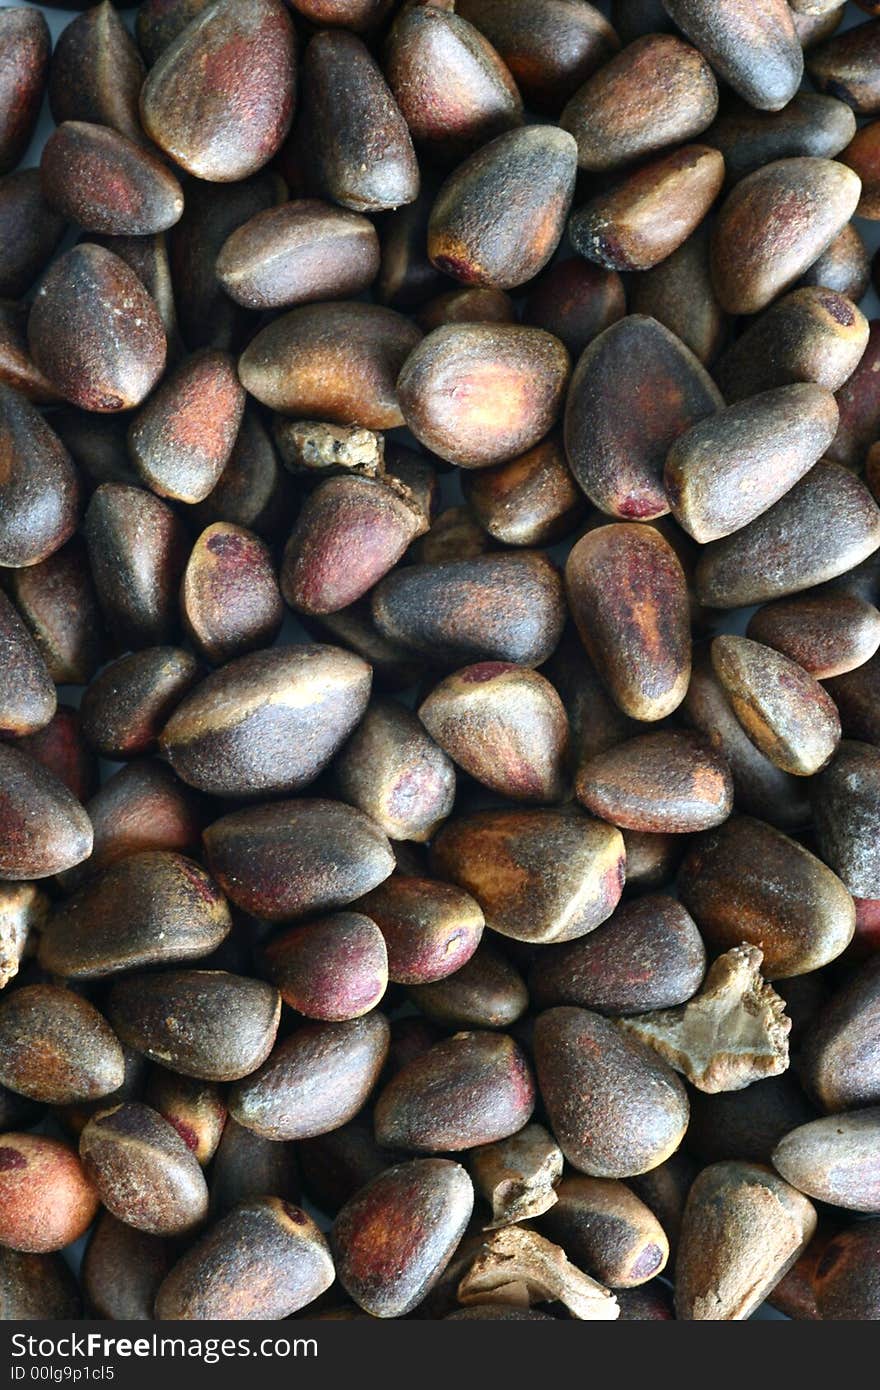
(143, 1170)
(46, 1199)
(39, 488)
(27, 696)
(755, 49)
(827, 634)
(107, 183)
(127, 704)
(230, 600)
(603, 1226)
(55, 1047)
(664, 781)
(97, 73)
(43, 828)
(430, 928)
(845, 798)
(811, 334)
(25, 45)
(834, 1160)
(486, 992)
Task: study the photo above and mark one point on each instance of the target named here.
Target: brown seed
(96, 443)
(23, 911)
(360, 153)
(57, 600)
(809, 125)
(393, 772)
(517, 1177)
(480, 304)
(267, 722)
(25, 46)
(297, 858)
(335, 362)
(728, 469)
(532, 500)
(748, 882)
(754, 48)
(863, 155)
(827, 634)
(859, 407)
(846, 67)
(539, 876)
(751, 262)
(406, 276)
(454, 534)
(659, 91)
(603, 1226)
(56, 1048)
(843, 266)
(634, 391)
(839, 1064)
(196, 1109)
(812, 334)
(39, 489)
(314, 1081)
(46, 1199)
(220, 97)
(36, 1288)
(503, 724)
(60, 747)
(263, 1261)
(17, 367)
(148, 909)
(492, 608)
(651, 859)
(500, 216)
(96, 73)
(253, 491)
(575, 300)
(485, 992)
(845, 799)
(431, 929)
(615, 1108)
(247, 1166)
(835, 1160)
(394, 1238)
(28, 700)
(813, 29)
(159, 22)
(665, 781)
(821, 528)
(743, 1229)
(230, 599)
(781, 707)
(106, 183)
(746, 1124)
(650, 213)
(336, 1166)
(334, 968)
(43, 829)
(473, 1088)
(126, 706)
(628, 596)
(845, 1278)
(648, 955)
(122, 1269)
(74, 1118)
(30, 230)
(679, 294)
(664, 1189)
(148, 258)
(144, 1172)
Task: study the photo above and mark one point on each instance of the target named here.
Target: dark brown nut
(393, 1239)
(360, 152)
(471, 1089)
(181, 440)
(149, 909)
(144, 1172)
(267, 722)
(300, 251)
(743, 1228)
(859, 407)
(125, 708)
(253, 491)
(813, 29)
(430, 929)
(406, 276)
(505, 725)
(843, 266)
(46, 1199)
(845, 798)
(30, 230)
(517, 1177)
(106, 183)
(746, 1124)
(538, 876)
(394, 773)
(754, 47)
(314, 1081)
(664, 781)
(679, 294)
(651, 212)
(36, 1288)
(122, 1269)
(863, 155)
(454, 534)
(55, 1047)
(297, 858)
(635, 389)
(748, 882)
(28, 699)
(23, 910)
(17, 367)
(664, 1190)
(480, 304)
(659, 91)
(95, 331)
(60, 747)
(57, 600)
(826, 633)
(532, 500)
(334, 968)
(247, 1166)
(649, 1303)
(845, 1278)
(196, 1109)
(604, 1227)
(219, 99)
(500, 216)
(824, 526)
(840, 1060)
(575, 300)
(651, 859)
(784, 711)
(148, 258)
(335, 362)
(478, 394)
(39, 489)
(265, 1260)
(230, 600)
(25, 46)
(550, 46)
(485, 992)
(846, 67)
(159, 22)
(795, 1294)
(491, 608)
(751, 265)
(633, 18)
(74, 1118)
(812, 334)
(835, 1160)
(350, 532)
(615, 1108)
(453, 90)
(648, 955)
(96, 73)
(96, 443)
(336, 1166)
(628, 595)
(43, 829)
(814, 125)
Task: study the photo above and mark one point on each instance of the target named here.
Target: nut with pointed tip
(517, 1177)
(25, 45)
(430, 928)
(39, 488)
(229, 597)
(334, 968)
(662, 781)
(96, 73)
(127, 704)
(486, 992)
(834, 1160)
(846, 66)
(521, 1267)
(753, 48)
(28, 699)
(43, 828)
(812, 334)
(605, 1227)
(679, 294)
(826, 633)
(531, 500)
(144, 1172)
(55, 1047)
(107, 183)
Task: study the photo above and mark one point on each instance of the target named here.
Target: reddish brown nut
(479, 304)
(431, 929)
(125, 708)
(603, 1226)
(253, 490)
(229, 597)
(28, 699)
(839, 1064)
(39, 489)
(122, 1269)
(845, 1277)
(60, 747)
(859, 407)
(30, 231)
(863, 155)
(575, 300)
(47, 1199)
(97, 73)
(753, 47)
(57, 600)
(25, 46)
(826, 633)
(196, 1109)
(679, 294)
(651, 859)
(106, 183)
(808, 125)
(812, 334)
(846, 66)
(37, 1287)
(532, 500)
(43, 829)
(17, 366)
(658, 782)
(55, 1047)
(144, 1172)
(485, 992)
(334, 968)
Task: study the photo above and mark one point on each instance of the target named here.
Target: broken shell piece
(309, 446)
(23, 909)
(733, 1032)
(514, 1259)
(517, 1176)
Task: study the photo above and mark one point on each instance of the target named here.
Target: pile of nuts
(505, 941)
